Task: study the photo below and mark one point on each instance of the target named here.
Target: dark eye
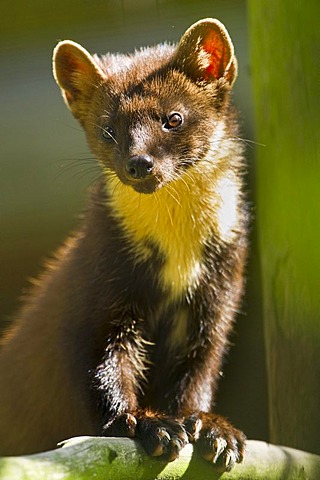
(173, 121)
(107, 133)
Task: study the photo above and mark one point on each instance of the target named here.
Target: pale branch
(85, 458)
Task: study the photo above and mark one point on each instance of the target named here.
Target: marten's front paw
(161, 435)
(216, 439)
(158, 434)
(122, 426)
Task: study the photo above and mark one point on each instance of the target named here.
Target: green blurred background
(46, 167)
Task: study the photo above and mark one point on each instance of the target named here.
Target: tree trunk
(285, 60)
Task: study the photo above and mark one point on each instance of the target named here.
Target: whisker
(169, 214)
(156, 194)
(189, 176)
(175, 191)
(80, 167)
(105, 131)
(72, 126)
(250, 142)
(117, 184)
(84, 173)
(171, 194)
(180, 176)
(76, 165)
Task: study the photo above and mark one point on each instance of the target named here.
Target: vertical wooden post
(285, 45)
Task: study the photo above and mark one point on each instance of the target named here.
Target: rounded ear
(76, 73)
(205, 52)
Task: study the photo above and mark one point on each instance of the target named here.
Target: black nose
(139, 166)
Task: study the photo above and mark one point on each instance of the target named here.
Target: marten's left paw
(161, 436)
(216, 439)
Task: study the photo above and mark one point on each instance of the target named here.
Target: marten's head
(151, 116)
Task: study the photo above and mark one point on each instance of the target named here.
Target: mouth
(147, 186)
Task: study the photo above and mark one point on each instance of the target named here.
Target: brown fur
(126, 331)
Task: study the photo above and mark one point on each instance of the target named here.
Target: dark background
(46, 167)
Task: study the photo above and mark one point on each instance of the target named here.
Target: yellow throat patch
(180, 219)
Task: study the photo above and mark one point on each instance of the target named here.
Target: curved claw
(217, 441)
(220, 444)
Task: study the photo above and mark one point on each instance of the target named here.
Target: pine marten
(125, 332)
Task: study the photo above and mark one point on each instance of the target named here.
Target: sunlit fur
(131, 321)
(202, 203)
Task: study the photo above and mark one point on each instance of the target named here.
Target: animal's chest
(180, 222)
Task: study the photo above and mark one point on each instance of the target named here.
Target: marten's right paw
(122, 426)
(159, 435)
